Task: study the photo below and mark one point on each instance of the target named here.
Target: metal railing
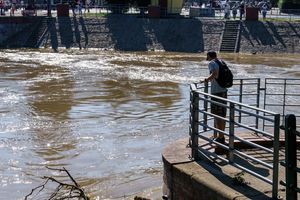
(282, 96)
(290, 162)
(245, 100)
(201, 120)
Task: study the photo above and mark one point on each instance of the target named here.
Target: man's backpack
(225, 78)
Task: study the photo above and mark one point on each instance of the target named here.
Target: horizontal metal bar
(215, 116)
(236, 165)
(255, 115)
(286, 105)
(244, 94)
(254, 129)
(254, 144)
(215, 102)
(237, 103)
(253, 159)
(252, 173)
(282, 94)
(214, 142)
(215, 129)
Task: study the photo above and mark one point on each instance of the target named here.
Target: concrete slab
(212, 178)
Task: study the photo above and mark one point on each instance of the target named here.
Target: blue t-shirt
(215, 87)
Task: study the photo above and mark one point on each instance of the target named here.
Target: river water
(104, 116)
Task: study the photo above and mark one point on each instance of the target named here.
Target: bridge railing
(201, 127)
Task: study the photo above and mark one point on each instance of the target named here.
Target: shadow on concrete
(76, 32)
(136, 40)
(181, 35)
(53, 34)
(294, 29)
(275, 33)
(257, 31)
(214, 167)
(65, 31)
(85, 32)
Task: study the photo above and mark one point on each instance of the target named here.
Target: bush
(118, 6)
(289, 4)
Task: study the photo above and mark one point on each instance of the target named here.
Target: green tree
(141, 4)
(118, 6)
(289, 4)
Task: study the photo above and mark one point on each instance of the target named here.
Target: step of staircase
(230, 36)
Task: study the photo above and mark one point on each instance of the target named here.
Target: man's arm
(213, 75)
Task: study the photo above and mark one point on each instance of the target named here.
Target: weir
(253, 121)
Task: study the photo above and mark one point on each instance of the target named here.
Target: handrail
(200, 110)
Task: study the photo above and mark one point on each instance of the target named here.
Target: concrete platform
(211, 178)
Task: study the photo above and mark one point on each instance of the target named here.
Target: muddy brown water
(104, 116)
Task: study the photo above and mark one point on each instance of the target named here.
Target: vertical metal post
(284, 98)
(205, 104)
(275, 156)
(290, 157)
(231, 132)
(194, 124)
(265, 99)
(257, 102)
(241, 99)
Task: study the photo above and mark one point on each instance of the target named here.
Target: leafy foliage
(289, 4)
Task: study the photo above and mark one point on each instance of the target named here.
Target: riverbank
(132, 33)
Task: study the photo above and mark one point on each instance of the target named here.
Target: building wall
(174, 6)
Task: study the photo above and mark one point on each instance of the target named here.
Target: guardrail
(290, 162)
(245, 100)
(282, 96)
(201, 126)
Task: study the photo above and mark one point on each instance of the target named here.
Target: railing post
(275, 156)
(205, 104)
(231, 132)
(290, 157)
(241, 99)
(257, 102)
(194, 124)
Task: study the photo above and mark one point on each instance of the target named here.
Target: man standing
(217, 90)
(242, 10)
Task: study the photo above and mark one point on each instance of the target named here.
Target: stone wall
(132, 33)
(267, 37)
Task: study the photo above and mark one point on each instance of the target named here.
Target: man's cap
(212, 54)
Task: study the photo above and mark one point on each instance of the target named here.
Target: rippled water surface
(105, 116)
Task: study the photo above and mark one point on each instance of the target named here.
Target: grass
(93, 15)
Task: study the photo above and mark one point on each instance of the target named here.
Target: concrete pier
(211, 178)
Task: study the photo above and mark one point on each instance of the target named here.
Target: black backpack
(225, 78)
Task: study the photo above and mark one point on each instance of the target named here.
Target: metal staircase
(230, 36)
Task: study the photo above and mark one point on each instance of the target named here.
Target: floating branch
(63, 190)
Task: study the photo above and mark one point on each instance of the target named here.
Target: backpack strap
(221, 63)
